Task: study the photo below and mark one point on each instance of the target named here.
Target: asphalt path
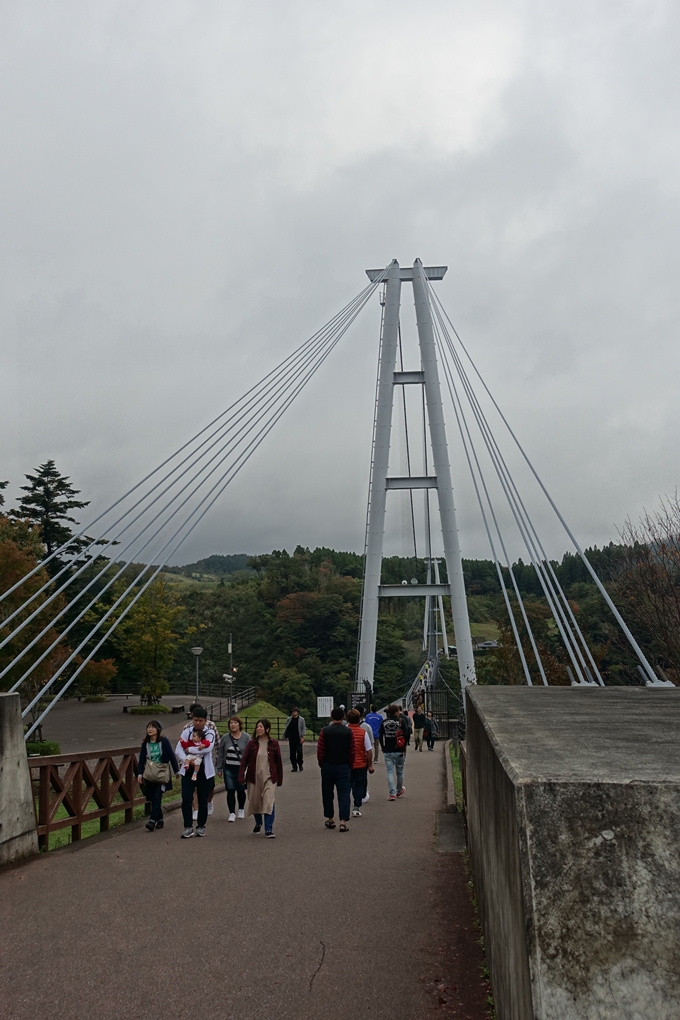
(314, 924)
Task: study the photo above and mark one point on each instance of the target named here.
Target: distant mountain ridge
(218, 565)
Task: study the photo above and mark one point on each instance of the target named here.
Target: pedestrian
(361, 709)
(211, 726)
(431, 730)
(294, 733)
(363, 760)
(200, 779)
(262, 771)
(374, 720)
(419, 719)
(393, 743)
(335, 756)
(229, 756)
(155, 768)
(406, 722)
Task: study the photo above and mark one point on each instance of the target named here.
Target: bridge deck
(314, 924)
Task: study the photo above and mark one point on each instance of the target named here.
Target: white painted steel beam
(412, 482)
(410, 591)
(431, 272)
(378, 487)
(447, 510)
(408, 378)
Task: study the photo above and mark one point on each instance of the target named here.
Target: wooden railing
(89, 786)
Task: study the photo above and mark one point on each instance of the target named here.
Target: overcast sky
(188, 191)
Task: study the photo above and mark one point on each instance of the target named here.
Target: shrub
(149, 709)
(99, 698)
(42, 747)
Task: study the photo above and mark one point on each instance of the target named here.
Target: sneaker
(356, 813)
(200, 831)
(400, 793)
(366, 798)
(150, 825)
(293, 770)
(194, 815)
(159, 825)
(187, 834)
(391, 797)
(211, 807)
(256, 828)
(301, 769)
(241, 813)
(269, 835)
(232, 817)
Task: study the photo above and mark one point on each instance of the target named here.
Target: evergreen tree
(48, 500)
(3, 485)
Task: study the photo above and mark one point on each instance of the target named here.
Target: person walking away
(374, 720)
(200, 779)
(363, 760)
(361, 709)
(406, 723)
(294, 732)
(209, 724)
(335, 756)
(262, 771)
(431, 730)
(419, 720)
(229, 756)
(393, 744)
(155, 768)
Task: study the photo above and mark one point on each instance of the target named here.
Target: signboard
(324, 707)
(357, 698)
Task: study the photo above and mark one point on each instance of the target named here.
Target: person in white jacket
(201, 779)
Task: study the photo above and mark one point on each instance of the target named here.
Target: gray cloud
(188, 192)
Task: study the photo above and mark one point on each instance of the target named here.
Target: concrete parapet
(573, 801)
(18, 836)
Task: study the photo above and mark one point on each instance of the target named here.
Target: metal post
(196, 652)
(379, 470)
(447, 510)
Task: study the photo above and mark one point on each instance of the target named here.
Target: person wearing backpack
(393, 744)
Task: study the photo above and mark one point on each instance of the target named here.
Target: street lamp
(196, 652)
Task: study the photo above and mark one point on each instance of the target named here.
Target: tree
(3, 485)
(146, 637)
(48, 500)
(96, 676)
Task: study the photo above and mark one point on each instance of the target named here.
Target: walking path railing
(87, 786)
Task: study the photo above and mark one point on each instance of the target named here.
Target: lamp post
(197, 653)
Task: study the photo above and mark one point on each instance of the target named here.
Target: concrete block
(573, 799)
(18, 835)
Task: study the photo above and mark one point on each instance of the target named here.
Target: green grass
(484, 631)
(457, 777)
(259, 710)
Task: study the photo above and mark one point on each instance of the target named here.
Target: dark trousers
(296, 757)
(430, 737)
(332, 777)
(154, 794)
(202, 788)
(359, 785)
(231, 800)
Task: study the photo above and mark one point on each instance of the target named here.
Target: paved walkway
(315, 924)
(82, 725)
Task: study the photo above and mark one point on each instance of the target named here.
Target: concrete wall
(574, 824)
(18, 837)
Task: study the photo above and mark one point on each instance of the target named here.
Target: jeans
(359, 785)
(333, 776)
(233, 788)
(296, 757)
(268, 820)
(419, 738)
(394, 762)
(202, 788)
(154, 794)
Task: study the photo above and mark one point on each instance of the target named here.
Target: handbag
(156, 771)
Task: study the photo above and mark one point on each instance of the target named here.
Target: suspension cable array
(159, 513)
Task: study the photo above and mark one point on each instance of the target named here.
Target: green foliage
(149, 710)
(96, 677)
(48, 500)
(42, 747)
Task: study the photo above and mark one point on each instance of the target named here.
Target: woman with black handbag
(229, 755)
(155, 768)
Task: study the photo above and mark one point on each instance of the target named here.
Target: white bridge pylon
(380, 481)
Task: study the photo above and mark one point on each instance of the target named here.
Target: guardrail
(88, 785)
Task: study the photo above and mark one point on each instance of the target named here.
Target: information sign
(324, 707)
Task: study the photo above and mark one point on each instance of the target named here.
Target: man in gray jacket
(294, 733)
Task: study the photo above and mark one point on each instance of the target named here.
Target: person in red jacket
(262, 771)
(363, 760)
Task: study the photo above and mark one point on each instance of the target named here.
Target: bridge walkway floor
(373, 923)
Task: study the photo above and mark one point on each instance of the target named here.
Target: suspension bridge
(442, 389)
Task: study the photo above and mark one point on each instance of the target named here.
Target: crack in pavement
(323, 957)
